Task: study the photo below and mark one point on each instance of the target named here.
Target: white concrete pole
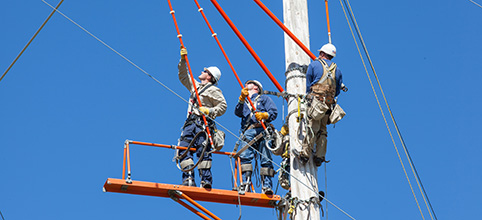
(295, 14)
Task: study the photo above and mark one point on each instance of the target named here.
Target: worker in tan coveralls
(213, 105)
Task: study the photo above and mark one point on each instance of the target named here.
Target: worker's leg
(266, 172)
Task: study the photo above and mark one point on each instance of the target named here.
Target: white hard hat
(329, 49)
(215, 72)
(257, 83)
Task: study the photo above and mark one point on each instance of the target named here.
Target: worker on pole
(323, 83)
(252, 129)
(193, 131)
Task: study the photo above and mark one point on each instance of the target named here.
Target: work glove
(284, 130)
(244, 94)
(261, 115)
(183, 52)
(204, 110)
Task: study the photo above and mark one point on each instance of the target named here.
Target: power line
(412, 165)
(475, 3)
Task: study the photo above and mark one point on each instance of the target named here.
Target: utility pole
(304, 179)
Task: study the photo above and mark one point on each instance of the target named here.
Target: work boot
(322, 195)
(303, 159)
(245, 187)
(319, 161)
(206, 178)
(206, 184)
(267, 185)
(188, 177)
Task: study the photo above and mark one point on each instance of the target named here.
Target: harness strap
(194, 98)
(327, 69)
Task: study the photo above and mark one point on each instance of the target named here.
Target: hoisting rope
(31, 39)
(412, 165)
(215, 36)
(179, 35)
(246, 44)
(186, 101)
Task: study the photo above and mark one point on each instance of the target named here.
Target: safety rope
(31, 39)
(186, 101)
(414, 171)
(179, 35)
(215, 36)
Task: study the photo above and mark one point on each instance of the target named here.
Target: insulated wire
(475, 3)
(414, 170)
(2, 215)
(132, 63)
(31, 39)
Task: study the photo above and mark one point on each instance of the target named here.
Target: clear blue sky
(69, 103)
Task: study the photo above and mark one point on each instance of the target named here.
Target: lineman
(213, 105)
(323, 83)
(250, 128)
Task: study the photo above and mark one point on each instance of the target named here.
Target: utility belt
(327, 98)
(319, 105)
(198, 120)
(257, 125)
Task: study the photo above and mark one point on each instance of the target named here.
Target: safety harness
(325, 89)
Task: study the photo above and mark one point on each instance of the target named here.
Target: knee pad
(266, 171)
(186, 163)
(205, 164)
(246, 167)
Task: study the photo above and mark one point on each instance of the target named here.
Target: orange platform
(196, 193)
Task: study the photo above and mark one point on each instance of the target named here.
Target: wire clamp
(200, 9)
(171, 12)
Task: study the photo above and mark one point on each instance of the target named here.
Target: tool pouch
(218, 140)
(336, 114)
(316, 109)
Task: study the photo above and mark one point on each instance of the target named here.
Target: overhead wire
(476, 3)
(412, 165)
(383, 115)
(172, 91)
(31, 39)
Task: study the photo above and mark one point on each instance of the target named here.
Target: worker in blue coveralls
(250, 128)
(193, 130)
(323, 83)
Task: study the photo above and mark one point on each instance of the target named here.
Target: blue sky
(69, 104)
